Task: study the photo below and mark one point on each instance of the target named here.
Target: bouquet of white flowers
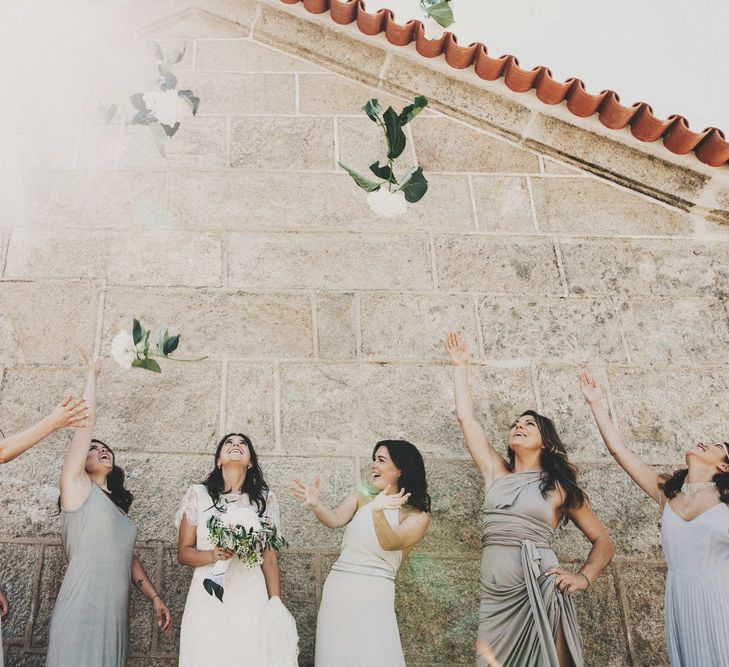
(241, 530)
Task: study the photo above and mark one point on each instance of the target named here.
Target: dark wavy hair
(409, 462)
(555, 465)
(671, 484)
(254, 484)
(118, 494)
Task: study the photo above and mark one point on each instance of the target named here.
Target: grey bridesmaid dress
(697, 587)
(521, 611)
(90, 621)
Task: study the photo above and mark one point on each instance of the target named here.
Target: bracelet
(587, 579)
(156, 596)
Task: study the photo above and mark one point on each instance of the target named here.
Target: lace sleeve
(188, 508)
(272, 514)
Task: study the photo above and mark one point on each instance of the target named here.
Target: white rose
(167, 106)
(387, 204)
(242, 516)
(123, 349)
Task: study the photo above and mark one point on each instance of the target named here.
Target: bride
(233, 614)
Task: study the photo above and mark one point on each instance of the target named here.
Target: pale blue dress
(697, 587)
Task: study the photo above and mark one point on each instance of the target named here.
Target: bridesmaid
(695, 538)
(69, 413)
(527, 617)
(90, 621)
(356, 625)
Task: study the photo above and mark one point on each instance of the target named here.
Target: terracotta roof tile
(710, 146)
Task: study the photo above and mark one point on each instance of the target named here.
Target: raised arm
(70, 413)
(331, 518)
(75, 483)
(410, 530)
(489, 461)
(641, 473)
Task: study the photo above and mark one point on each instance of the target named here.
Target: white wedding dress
(246, 629)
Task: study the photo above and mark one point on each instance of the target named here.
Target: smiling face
(99, 459)
(716, 456)
(384, 471)
(234, 451)
(524, 434)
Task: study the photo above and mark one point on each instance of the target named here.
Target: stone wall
(322, 325)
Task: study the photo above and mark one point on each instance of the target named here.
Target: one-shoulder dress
(521, 612)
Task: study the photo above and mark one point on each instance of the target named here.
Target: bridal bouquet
(241, 530)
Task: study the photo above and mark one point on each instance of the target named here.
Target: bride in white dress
(356, 626)
(249, 626)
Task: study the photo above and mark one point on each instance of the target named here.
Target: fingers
(317, 482)
(66, 400)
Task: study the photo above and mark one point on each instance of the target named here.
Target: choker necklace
(693, 488)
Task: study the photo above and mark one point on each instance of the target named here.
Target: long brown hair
(671, 484)
(555, 465)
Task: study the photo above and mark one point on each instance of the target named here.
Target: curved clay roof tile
(710, 146)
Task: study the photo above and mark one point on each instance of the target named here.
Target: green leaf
(414, 185)
(382, 171)
(160, 138)
(158, 51)
(394, 134)
(442, 13)
(373, 109)
(167, 79)
(189, 96)
(366, 184)
(162, 335)
(171, 344)
(179, 55)
(137, 101)
(110, 112)
(412, 110)
(170, 131)
(142, 118)
(152, 365)
(137, 332)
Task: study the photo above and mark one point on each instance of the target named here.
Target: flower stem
(162, 356)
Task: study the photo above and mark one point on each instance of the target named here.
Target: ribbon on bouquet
(214, 584)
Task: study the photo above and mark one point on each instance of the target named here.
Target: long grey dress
(90, 622)
(521, 611)
(697, 587)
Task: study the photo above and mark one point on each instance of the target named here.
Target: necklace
(693, 488)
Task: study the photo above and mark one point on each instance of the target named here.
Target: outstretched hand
(456, 349)
(70, 413)
(390, 501)
(308, 493)
(590, 389)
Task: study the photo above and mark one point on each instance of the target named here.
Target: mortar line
(35, 592)
(560, 265)
(297, 94)
(357, 325)
(314, 323)
(277, 442)
(623, 337)
(474, 208)
(533, 373)
(433, 262)
(335, 128)
(532, 205)
(223, 405)
(479, 331)
(623, 614)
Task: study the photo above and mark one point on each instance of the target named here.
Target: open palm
(457, 349)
